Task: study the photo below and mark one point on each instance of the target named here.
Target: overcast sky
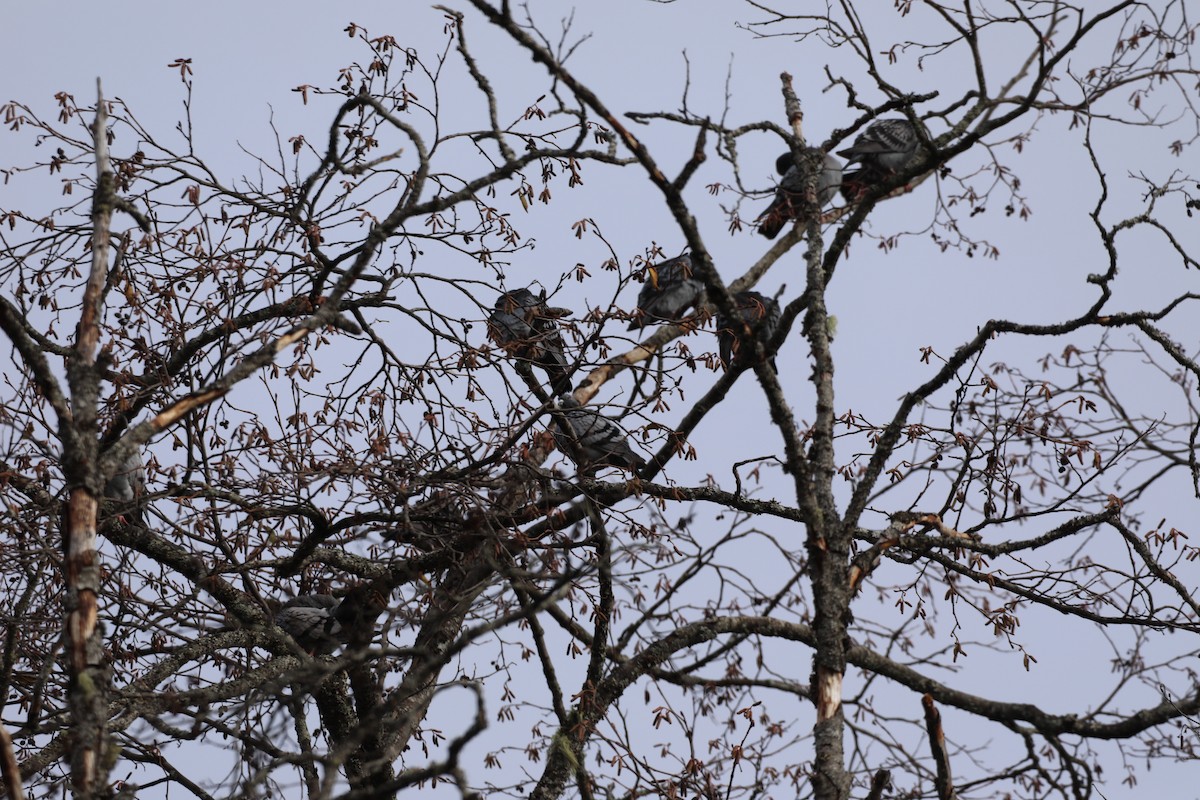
(247, 58)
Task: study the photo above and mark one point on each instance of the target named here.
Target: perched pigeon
(669, 290)
(593, 440)
(320, 623)
(127, 487)
(760, 314)
(789, 197)
(888, 145)
(524, 327)
(532, 308)
(885, 148)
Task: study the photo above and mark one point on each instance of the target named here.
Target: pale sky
(248, 57)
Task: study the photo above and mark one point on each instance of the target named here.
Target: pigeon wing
(887, 145)
(669, 290)
(128, 485)
(310, 621)
(789, 196)
(595, 440)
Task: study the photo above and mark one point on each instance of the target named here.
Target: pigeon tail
(778, 214)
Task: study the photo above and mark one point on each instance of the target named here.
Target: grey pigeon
(789, 197)
(127, 487)
(320, 622)
(758, 316)
(888, 145)
(669, 289)
(525, 327)
(593, 440)
(884, 149)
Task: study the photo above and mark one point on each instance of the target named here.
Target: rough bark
(89, 673)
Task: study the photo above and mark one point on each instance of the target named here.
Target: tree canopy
(543, 509)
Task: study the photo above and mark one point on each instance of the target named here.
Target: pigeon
(760, 314)
(669, 290)
(128, 486)
(320, 623)
(593, 440)
(523, 326)
(884, 149)
(789, 197)
(888, 145)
